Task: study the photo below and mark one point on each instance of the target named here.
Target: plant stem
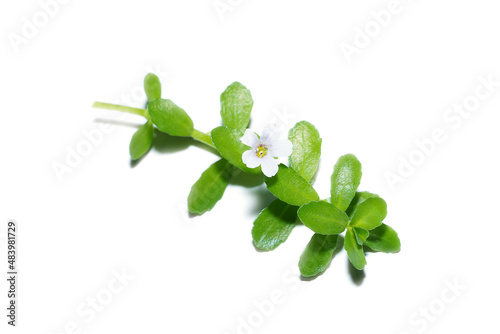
(196, 134)
(202, 138)
(141, 112)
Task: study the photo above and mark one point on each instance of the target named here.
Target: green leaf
(169, 118)
(369, 213)
(345, 180)
(318, 254)
(383, 239)
(236, 106)
(290, 187)
(228, 143)
(210, 187)
(273, 225)
(361, 235)
(141, 141)
(354, 250)
(152, 87)
(306, 149)
(323, 217)
(360, 197)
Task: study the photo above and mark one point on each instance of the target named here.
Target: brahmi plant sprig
(359, 214)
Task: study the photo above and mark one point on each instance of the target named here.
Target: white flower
(264, 150)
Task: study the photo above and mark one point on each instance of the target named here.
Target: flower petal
(269, 166)
(269, 136)
(250, 139)
(281, 148)
(251, 159)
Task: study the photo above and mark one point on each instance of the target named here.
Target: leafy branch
(359, 214)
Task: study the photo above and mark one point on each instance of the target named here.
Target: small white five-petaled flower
(264, 150)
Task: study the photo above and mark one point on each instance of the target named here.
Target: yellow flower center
(261, 151)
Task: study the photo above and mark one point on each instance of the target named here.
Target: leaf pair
(143, 138)
(291, 186)
(165, 114)
(365, 228)
(367, 213)
(328, 219)
(361, 213)
(236, 106)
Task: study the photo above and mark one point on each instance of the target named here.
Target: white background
(202, 274)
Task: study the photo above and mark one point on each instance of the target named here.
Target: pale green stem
(108, 106)
(202, 138)
(195, 134)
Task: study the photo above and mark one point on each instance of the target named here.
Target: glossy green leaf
(369, 213)
(361, 235)
(210, 187)
(358, 198)
(236, 106)
(152, 87)
(345, 181)
(323, 218)
(141, 141)
(318, 254)
(290, 187)
(273, 225)
(228, 143)
(383, 239)
(306, 149)
(170, 118)
(354, 250)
